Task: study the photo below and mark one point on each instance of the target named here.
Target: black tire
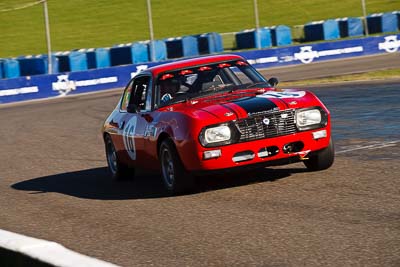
(322, 160)
(175, 178)
(117, 169)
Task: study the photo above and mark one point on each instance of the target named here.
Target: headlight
(308, 117)
(216, 135)
(311, 118)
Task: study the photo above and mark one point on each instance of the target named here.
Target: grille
(267, 125)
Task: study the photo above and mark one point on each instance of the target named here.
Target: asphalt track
(54, 186)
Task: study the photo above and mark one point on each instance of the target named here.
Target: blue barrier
(374, 23)
(260, 38)
(219, 46)
(77, 61)
(72, 61)
(44, 86)
(159, 49)
(54, 62)
(11, 68)
(209, 43)
(190, 46)
(102, 58)
(63, 61)
(217, 38)
(186, 46)
(281, 35)
(136, 53)
(97, 58)
(120, 55)
(350, 27)
(398, 19)
(1, 69)
(36, 65)
(389, 22)
(31, 65)
(174, 47)
(90, 57)
(140, 53)
(321, 30)
(382, 22)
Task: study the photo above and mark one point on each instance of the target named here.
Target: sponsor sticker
(390, 45)
(18, 91)
(64, 86)
(307, 54)
(139, 69)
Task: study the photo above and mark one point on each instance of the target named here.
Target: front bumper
(282, 150)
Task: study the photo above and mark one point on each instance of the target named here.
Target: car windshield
(183, 84)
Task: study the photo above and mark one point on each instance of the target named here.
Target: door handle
(114, 124)
(117, 125)
(122, 125)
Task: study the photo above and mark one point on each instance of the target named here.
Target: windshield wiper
(210, 92)
(258, 83)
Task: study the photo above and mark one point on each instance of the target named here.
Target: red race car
(212, 114)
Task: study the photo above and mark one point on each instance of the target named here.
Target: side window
(236, 72)
(140, 92)
(127, 96)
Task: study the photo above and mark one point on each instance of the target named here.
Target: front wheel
(175, 178)
(322, 160)
(118, 170)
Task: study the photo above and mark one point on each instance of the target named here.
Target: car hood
(239, 104)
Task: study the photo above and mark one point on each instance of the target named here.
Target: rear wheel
(118, 170)
(322, 159)
(176, 179)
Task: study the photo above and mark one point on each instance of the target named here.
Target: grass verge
(102, 23)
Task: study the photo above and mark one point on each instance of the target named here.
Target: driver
(168, 89)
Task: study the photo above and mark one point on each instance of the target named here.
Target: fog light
(319, 134)
(212, 154)
(243, 156)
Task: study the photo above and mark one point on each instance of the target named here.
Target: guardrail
(45, 86)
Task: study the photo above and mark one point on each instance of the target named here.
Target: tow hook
(303, 154)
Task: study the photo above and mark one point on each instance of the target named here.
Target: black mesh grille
(267, 125)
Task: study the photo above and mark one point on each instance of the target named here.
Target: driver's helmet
(169, 86)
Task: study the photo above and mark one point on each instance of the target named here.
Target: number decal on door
(129, 137)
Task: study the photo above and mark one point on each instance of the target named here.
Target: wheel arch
(163, 136)
(105, 134)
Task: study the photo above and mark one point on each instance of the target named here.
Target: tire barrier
(253, 38)
(350, 27)
(210, 43)
(281, 35)
(56, 85)
(321, 30)
(382, 22)
(186, 46)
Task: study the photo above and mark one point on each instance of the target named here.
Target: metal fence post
(257, 23)
(150, 18)
(48, 40)
(365, 17)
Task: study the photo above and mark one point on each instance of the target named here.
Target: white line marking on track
(48, 252)
(374, 146)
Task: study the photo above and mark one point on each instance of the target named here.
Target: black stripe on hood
(254, 105)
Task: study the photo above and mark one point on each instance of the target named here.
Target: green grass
(367, 76)
(103, 23)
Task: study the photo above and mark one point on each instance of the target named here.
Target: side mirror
(132, 108)
(273, 81)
